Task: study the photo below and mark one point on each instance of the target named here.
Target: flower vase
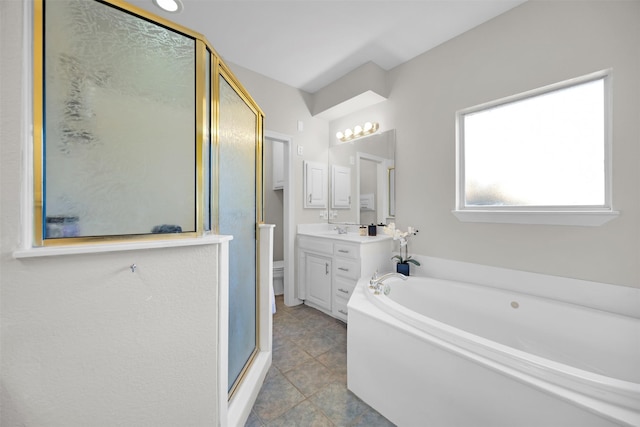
(403, 268)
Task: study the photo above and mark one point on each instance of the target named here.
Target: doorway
(286, 235)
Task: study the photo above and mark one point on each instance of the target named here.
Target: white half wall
(84, 340)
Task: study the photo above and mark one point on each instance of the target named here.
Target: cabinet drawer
(344, 287)
(346, 268)
(340, 309)
(346, 251)
(318, 245)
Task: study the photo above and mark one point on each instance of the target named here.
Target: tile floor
(307, 383)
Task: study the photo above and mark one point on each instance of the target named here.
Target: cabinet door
(315, 185)
(317, 275)
(340, 187)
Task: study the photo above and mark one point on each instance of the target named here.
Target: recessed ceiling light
(173, 6)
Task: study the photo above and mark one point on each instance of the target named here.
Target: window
(538, 157)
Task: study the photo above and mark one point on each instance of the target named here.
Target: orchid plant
(403, 237)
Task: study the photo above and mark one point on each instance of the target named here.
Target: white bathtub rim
(535, 362)
(612, 413)
(575, 372)
(548, 299)
(612, 298)
(483, 344)
(612, 398)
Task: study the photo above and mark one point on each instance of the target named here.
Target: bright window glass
(546, 148)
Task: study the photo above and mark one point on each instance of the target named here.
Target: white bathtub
(437, 353)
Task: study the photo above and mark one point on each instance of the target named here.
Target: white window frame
(548, 215)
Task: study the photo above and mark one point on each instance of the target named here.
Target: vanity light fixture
(358, 131)
(173, 6)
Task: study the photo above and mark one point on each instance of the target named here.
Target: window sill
(574, 218)
(115, 247)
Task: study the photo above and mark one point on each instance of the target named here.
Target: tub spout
(376, 281)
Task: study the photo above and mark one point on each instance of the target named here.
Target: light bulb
(368, 126)
(348, 133)
(357, 130)
(339, 135)
(172, 6)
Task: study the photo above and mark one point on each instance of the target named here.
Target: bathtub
(437, 353)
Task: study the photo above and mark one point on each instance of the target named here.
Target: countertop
(328, 231)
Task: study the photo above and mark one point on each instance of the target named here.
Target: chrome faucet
(375, 282)
(341, 230)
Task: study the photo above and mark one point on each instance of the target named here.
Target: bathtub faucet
(375, 282)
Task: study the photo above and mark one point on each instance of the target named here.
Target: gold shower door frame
(217, 68)
(221, 71)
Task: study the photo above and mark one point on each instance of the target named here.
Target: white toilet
(278, 277)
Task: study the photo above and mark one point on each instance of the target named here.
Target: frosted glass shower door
(238, 217)
(119, 102)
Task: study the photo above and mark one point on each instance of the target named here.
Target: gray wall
(533, 45)
(283, 107)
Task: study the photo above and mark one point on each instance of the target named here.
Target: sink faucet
(341, 230)
(375, 282)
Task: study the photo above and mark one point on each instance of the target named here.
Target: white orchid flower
(390, 230)
(403, 237)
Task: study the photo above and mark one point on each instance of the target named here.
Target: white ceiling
(308, 44)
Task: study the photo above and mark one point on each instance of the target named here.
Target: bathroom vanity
(330, 264)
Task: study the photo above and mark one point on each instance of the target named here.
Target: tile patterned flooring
(307, 383)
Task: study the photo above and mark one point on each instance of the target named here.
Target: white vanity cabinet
(330, 266)
(346, 272)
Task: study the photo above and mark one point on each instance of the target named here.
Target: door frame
(289, 232)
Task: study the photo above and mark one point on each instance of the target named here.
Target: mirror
(362, 180)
